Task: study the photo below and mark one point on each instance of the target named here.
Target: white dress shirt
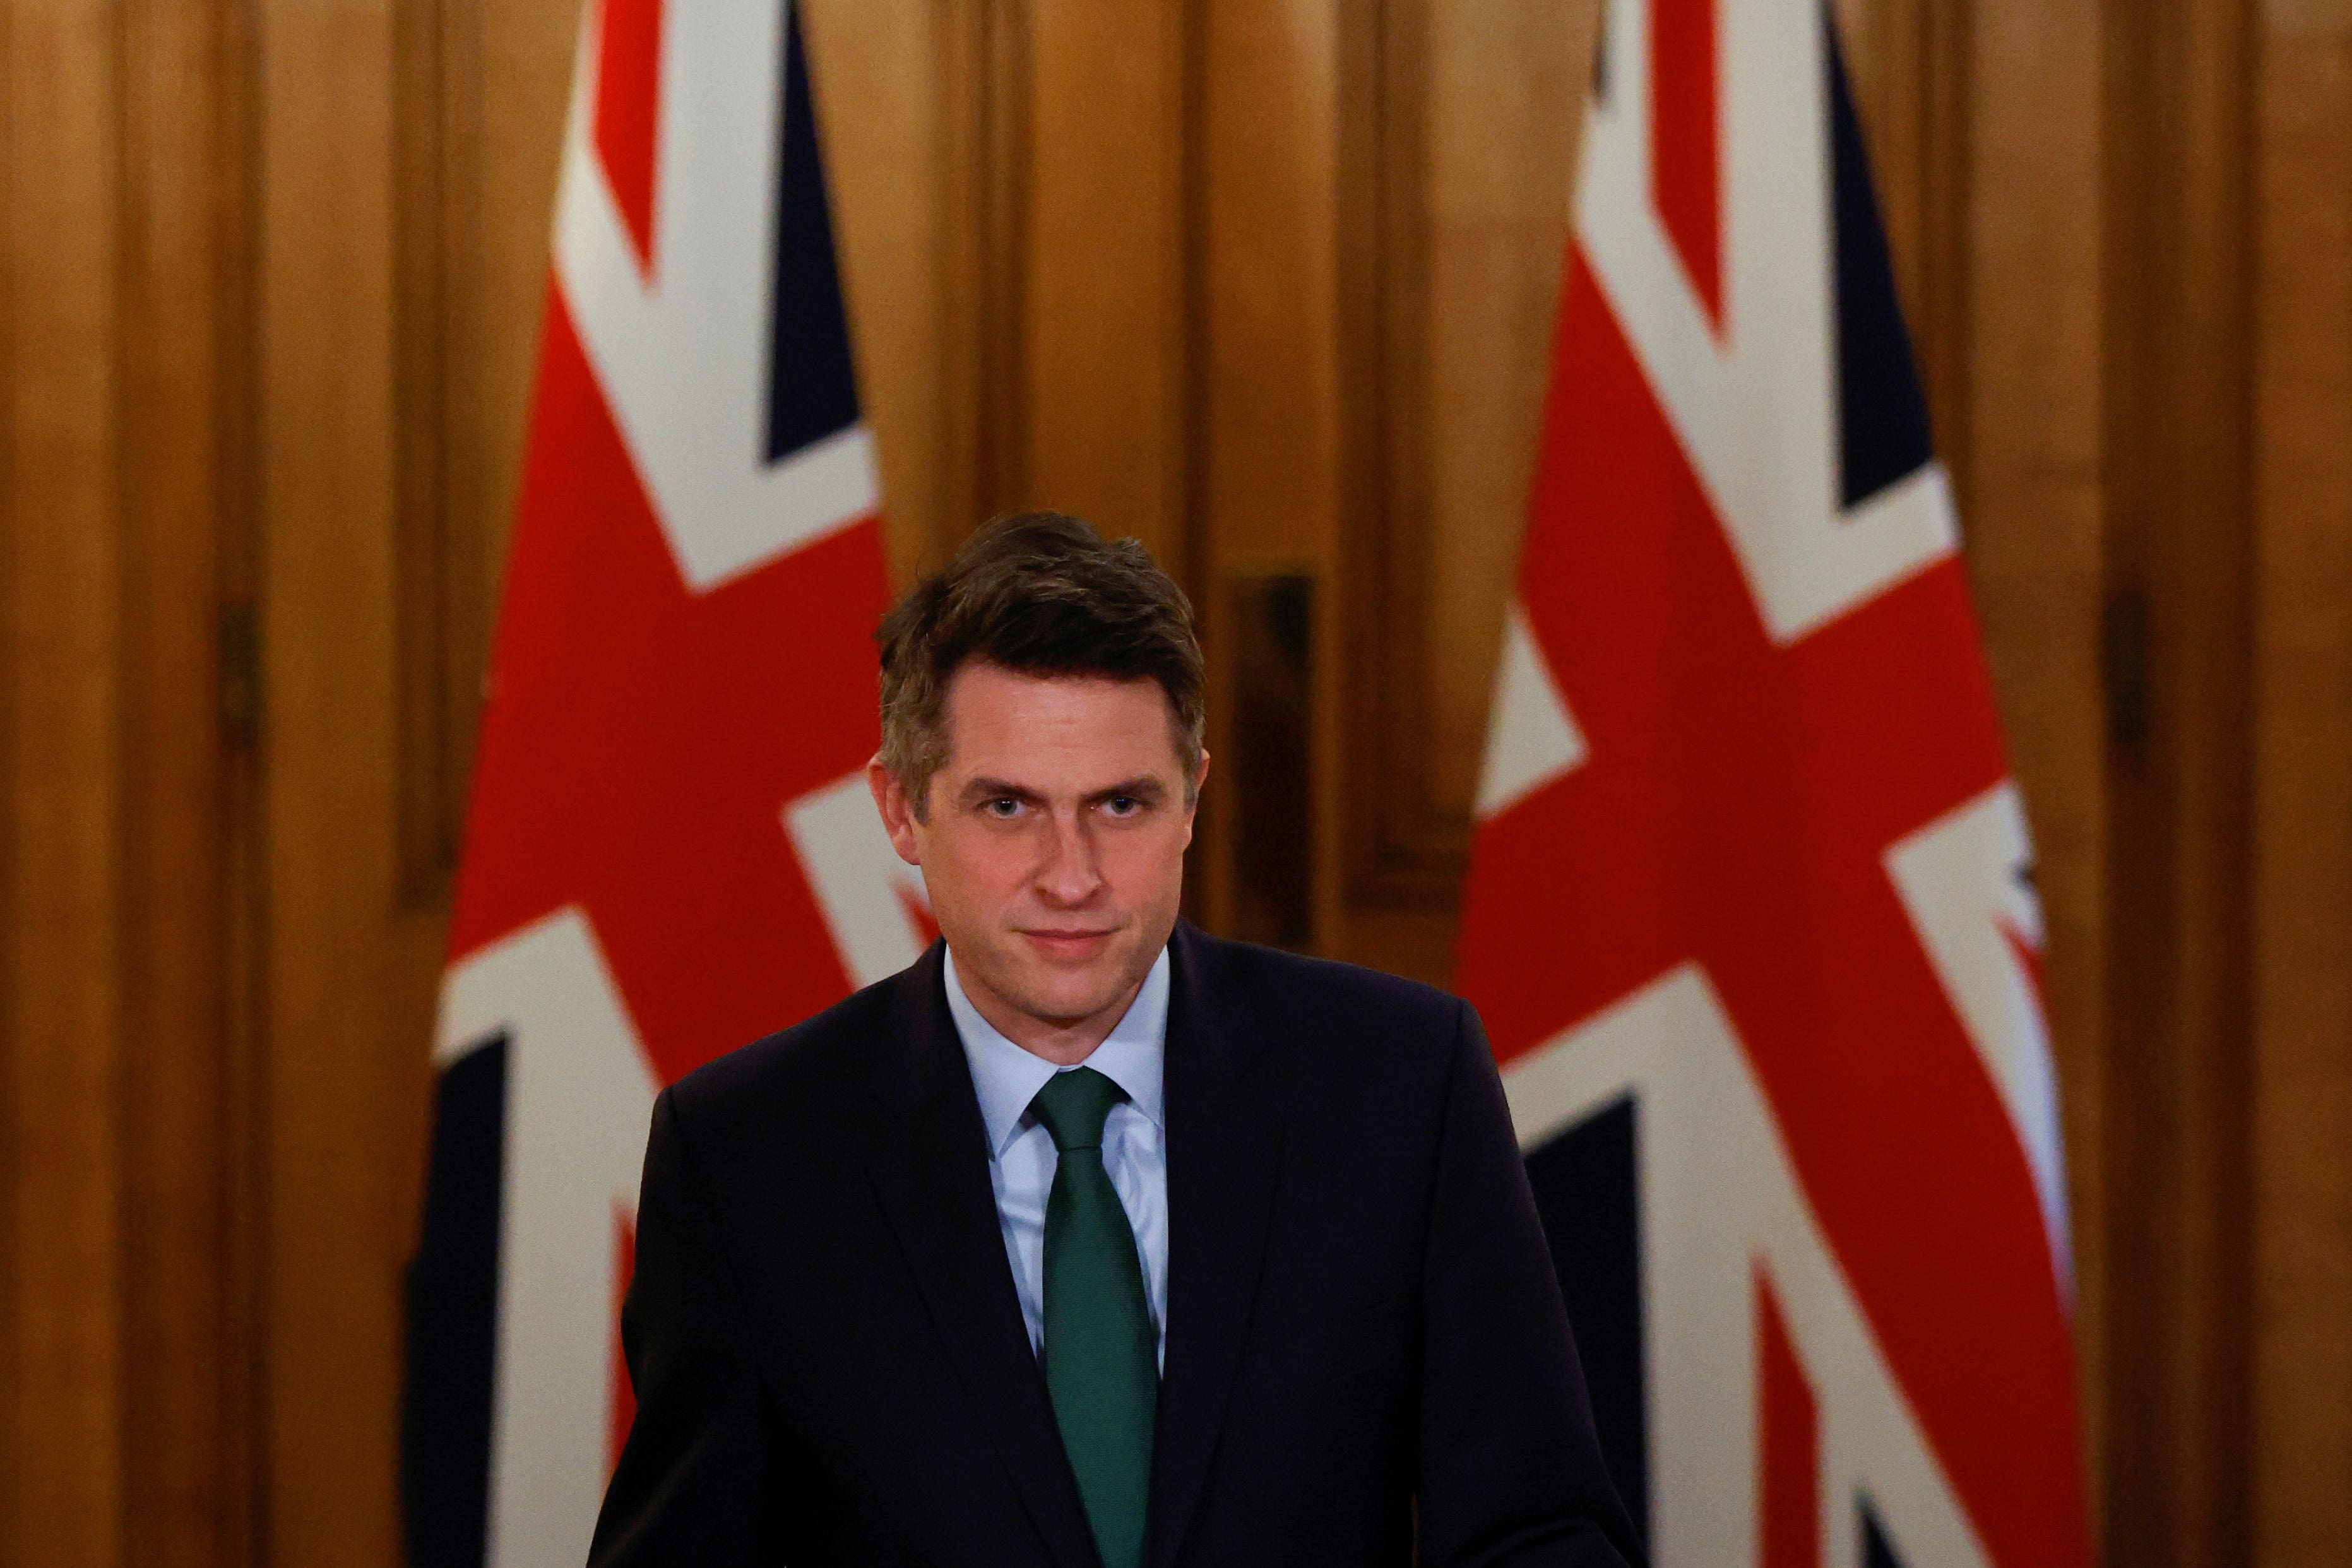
(1021, 1153)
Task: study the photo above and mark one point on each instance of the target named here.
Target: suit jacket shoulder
(1352, 1041)
(799, 1073)
(1288, 991)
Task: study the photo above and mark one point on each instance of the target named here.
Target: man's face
(1054, 849)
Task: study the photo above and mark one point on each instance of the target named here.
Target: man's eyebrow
(992, 789)
(1147, 789)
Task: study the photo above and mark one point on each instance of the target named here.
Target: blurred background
(1268, 283)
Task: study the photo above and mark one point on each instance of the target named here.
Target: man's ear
(897, 811)
(1192, 805)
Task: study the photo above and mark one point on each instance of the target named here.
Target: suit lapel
(932, 1172)
(1225, 1149)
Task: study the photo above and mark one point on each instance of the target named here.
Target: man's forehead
(988, 697)
(989, 676)
(1052, 733)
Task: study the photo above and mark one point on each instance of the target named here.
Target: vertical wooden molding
(1936, 280)
(2177, 410)
(245, 1086)
(1269, 776)
(420, 286)
(474, 507)
(1942, 308)
(984, 85)
(1209, 859)
(2011, 354)
(13, 1173)
(445, 522)
(188, 1343)
(1452, 220)
(883, 110)
(1401, 849)
(2302, 914)
(1102, 388)
(1195, 321)
(507, 86)
(66, 862)
(351, 970)
(1265, 497)
(452, 449)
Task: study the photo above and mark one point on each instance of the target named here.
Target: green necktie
(1101, 1369)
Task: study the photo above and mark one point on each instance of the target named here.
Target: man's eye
(1005, 808)
(1122, 805)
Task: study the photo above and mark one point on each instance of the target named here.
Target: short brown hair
(1037, 593)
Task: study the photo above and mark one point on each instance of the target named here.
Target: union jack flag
(1750, 917)
(671, 849)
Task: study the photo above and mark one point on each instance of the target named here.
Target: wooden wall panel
(890, 129)
(1103, 236)
(66, 715)
(189, 1400)
(983, 89)
(1270, 176)
(1461, 242)
(2011, 347)
(479, 88)
(2178, 626)
(1504, 87)
(1269, 283)
(2302, 869)
(513, 94)
(350, 975)
(1269, 434)
(128, 1429)
(439, 617)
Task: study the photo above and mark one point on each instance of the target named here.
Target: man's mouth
(1069, 941)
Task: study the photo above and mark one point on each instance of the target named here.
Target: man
(1090, 1238)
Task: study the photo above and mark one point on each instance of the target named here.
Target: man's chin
(1066, 1009)
(1067, 997)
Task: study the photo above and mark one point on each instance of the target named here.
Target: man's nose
(1071, 873)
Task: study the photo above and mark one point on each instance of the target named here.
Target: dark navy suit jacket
(1366, 1357)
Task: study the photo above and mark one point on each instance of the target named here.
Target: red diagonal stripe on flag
(628, 114)
(1686, 155)
(1789, 1442)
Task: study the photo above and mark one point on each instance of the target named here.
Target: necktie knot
(1073, 1106)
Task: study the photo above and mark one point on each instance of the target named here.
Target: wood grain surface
(1268, 283)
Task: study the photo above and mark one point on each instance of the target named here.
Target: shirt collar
(1008, 1077)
